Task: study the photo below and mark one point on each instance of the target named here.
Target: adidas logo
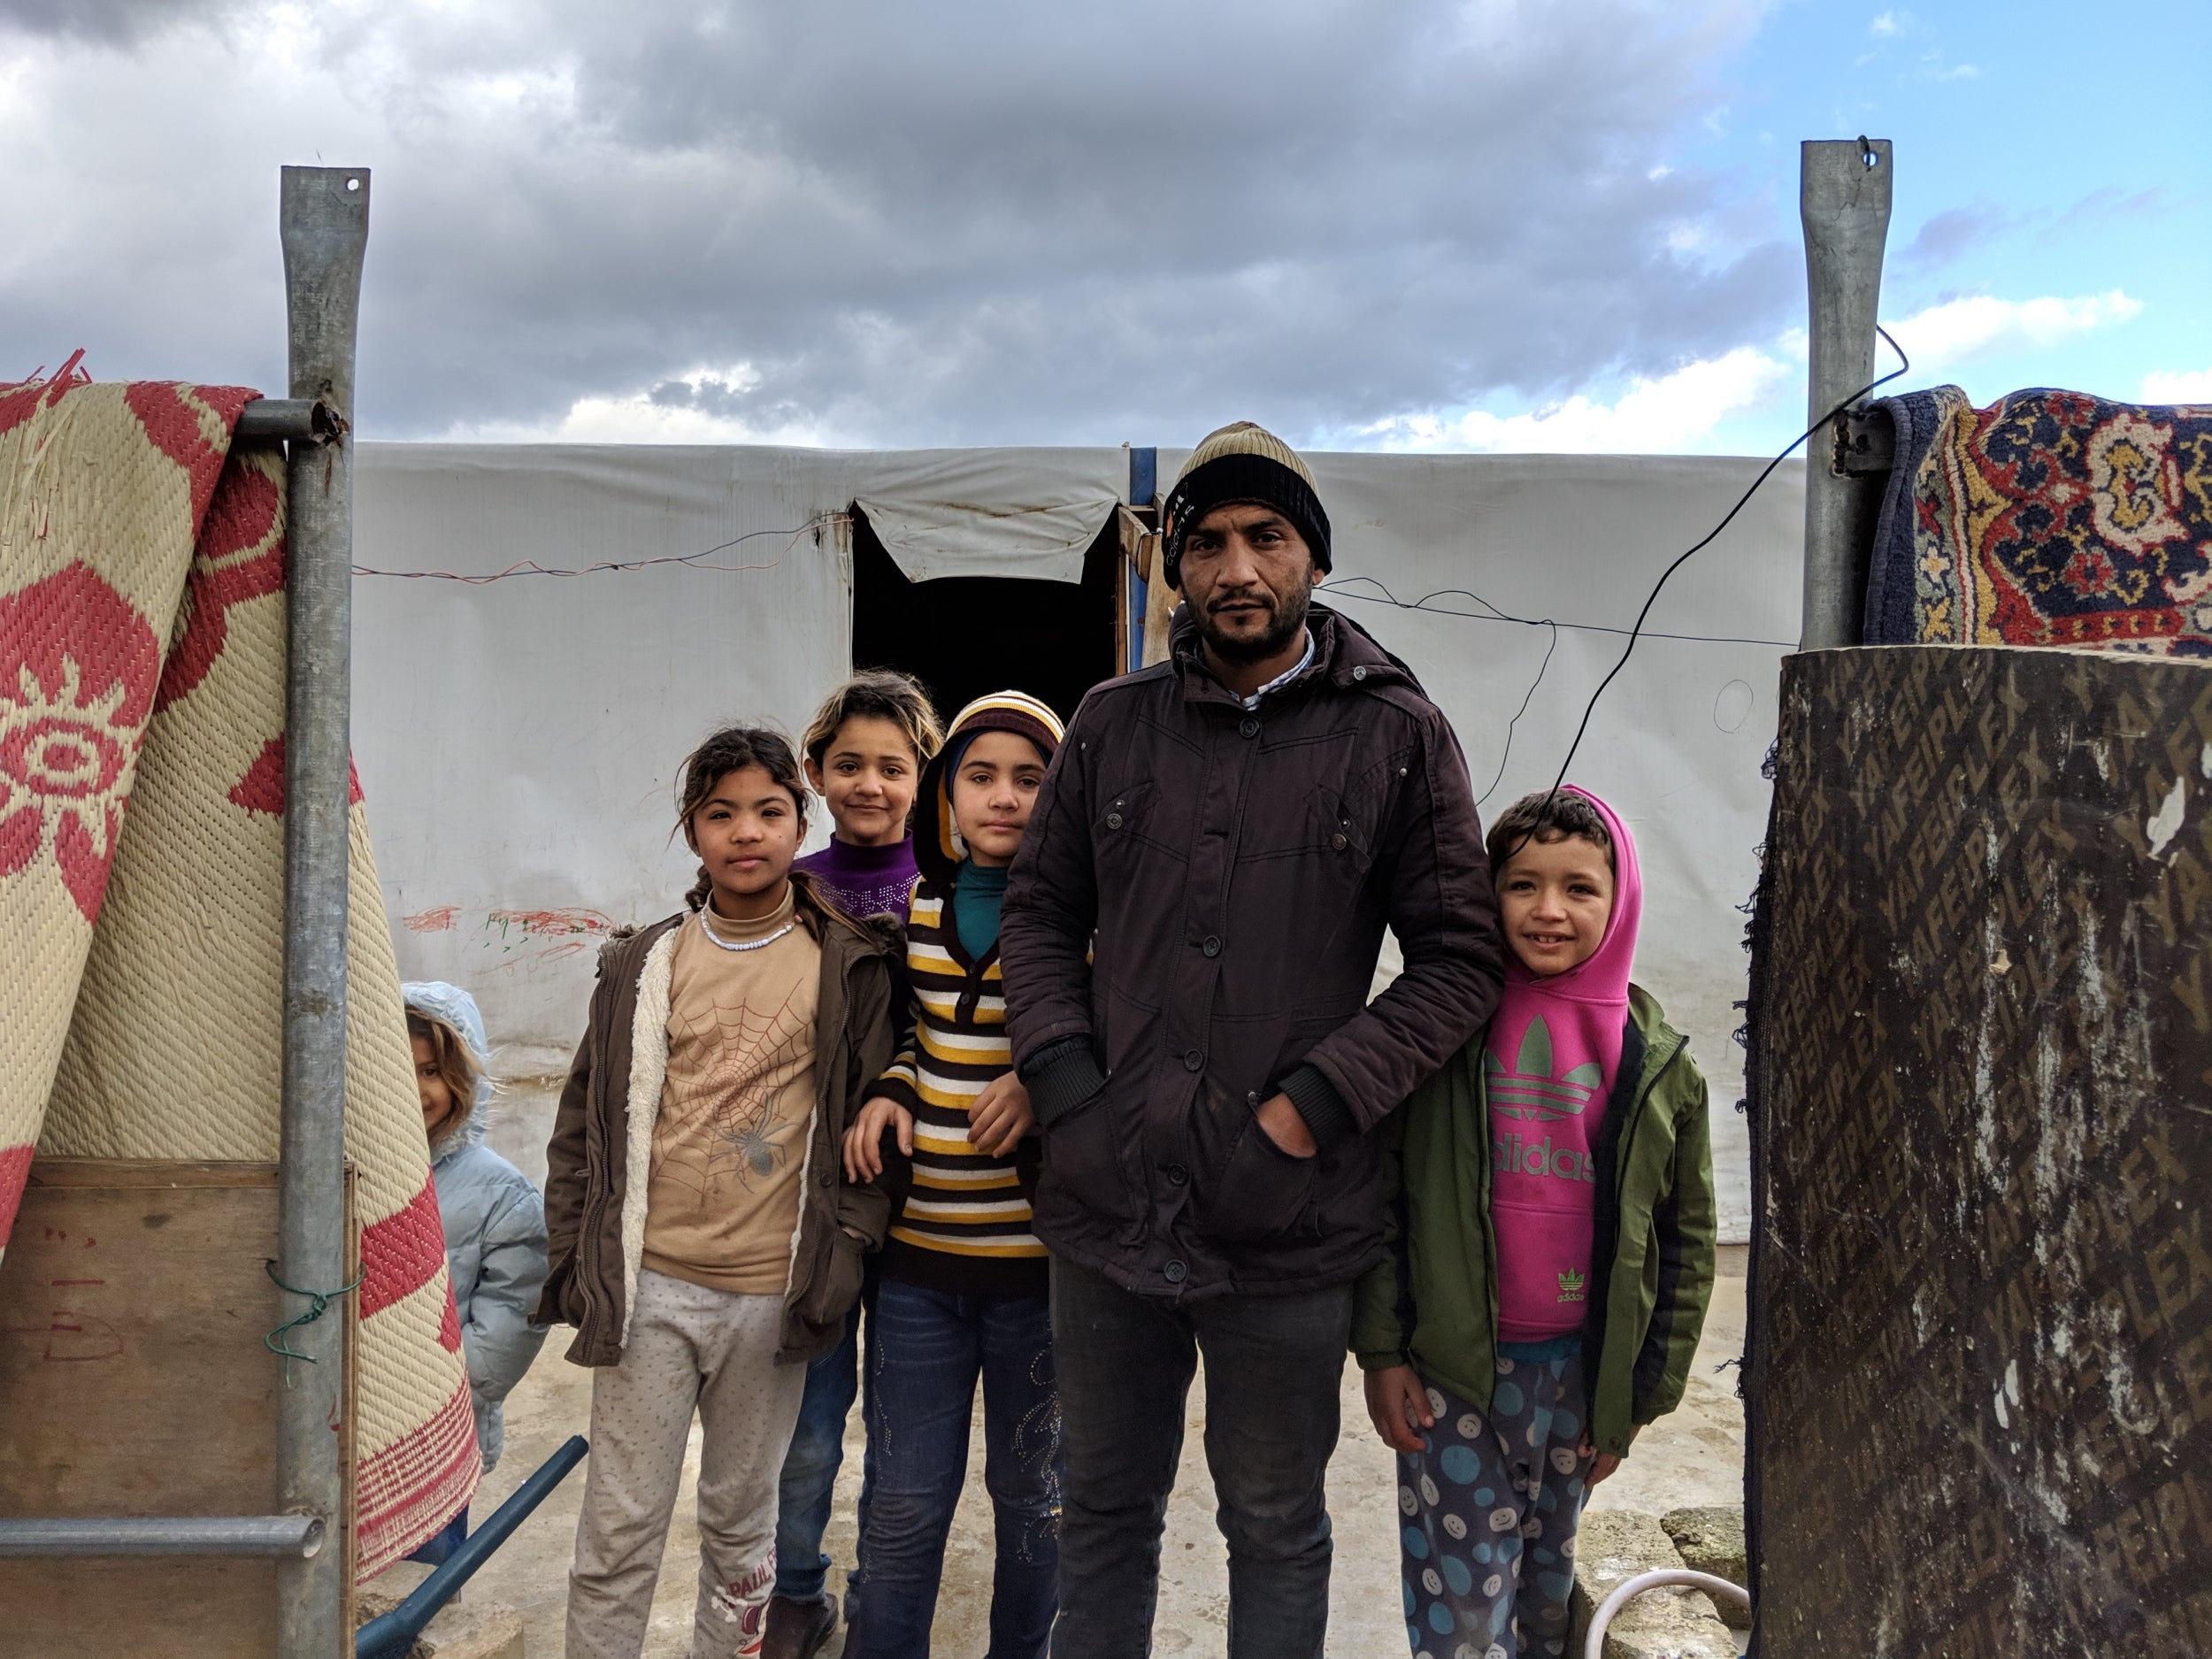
(1529, 1091)
(1570, 1286)
(1517, 1157)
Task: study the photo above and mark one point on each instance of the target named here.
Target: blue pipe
(392, 1636)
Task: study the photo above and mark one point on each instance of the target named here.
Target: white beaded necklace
(741, 944)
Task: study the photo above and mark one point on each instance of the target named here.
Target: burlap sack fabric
(142, 875)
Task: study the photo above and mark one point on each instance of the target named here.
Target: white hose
(1644, 1581)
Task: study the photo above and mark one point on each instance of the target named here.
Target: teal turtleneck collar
(976, 892)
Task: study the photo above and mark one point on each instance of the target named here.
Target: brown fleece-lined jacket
(1191, 923)
(599, 1158)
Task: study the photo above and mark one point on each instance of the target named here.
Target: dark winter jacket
(1432, 1303)
(1192, 925)
(599, 1159)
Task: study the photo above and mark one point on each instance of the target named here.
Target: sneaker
(799, 1630)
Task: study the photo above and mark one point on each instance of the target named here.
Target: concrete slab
(1711, 1540)
(1667, 1623)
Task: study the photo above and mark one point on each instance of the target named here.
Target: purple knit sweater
(865, 880)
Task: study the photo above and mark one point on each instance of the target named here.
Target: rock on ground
(1615, 1546)
(1711, 1540)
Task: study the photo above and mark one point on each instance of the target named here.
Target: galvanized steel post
(325, 221)
(1843, 199)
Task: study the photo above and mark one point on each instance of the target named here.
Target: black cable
(1339, 587)
(531, 567)
(1904, 365)
(1506, 752)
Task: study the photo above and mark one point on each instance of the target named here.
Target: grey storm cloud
(898, 224)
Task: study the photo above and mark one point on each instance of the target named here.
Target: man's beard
(1290, 620)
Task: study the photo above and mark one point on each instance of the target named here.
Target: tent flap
(988, 512)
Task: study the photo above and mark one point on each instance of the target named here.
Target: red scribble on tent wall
(438, 919)
(559, 932)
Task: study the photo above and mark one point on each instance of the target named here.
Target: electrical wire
(1506, 754)
(531, 567)
(1904, 365)
(1340, 588)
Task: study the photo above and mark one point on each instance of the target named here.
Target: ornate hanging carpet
(2046, 519)
(142, 875)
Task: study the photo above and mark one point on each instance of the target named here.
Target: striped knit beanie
(1242, 462)
(937, 849)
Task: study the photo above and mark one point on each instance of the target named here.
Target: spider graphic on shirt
(728, 1106)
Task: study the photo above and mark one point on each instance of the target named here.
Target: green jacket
(1432, 1302)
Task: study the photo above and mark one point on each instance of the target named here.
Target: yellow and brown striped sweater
(960, 1218)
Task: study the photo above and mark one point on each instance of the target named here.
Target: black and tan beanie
(938, 848)
(1242, 462)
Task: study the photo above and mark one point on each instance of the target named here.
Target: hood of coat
(938, 848)
(452, 1006)
(1343, 652)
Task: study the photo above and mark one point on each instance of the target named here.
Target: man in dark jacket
(1188, 941)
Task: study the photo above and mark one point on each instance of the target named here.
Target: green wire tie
(318, 1302)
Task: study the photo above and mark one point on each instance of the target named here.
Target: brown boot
(799, 1630)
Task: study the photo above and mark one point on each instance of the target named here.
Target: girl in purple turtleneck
(864, 752)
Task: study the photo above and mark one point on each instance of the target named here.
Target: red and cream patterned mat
(142, 874)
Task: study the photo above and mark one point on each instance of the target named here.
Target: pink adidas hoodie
(1548, 1066)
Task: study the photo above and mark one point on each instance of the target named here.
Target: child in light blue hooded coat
(494, 1218)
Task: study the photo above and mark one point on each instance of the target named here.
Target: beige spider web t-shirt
(729, 1146)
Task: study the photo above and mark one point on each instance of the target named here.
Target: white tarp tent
(517, 739)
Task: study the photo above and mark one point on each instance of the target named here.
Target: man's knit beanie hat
(938, 848)
(1242, 462)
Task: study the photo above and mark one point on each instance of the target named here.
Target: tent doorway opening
(964, 636)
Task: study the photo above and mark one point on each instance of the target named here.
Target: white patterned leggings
(690, 1349)
(1490, 1509)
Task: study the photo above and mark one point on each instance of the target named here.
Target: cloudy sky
(1367, 223)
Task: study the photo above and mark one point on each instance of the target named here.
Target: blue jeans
(809, 1468)
(925, 1349)
(1273, 1367)
(438, 1548)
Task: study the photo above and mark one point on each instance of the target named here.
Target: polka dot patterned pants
(1490, 1509)
(690, 1350)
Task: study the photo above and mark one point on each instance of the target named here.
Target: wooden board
(134, 1381)
(1980, 1379)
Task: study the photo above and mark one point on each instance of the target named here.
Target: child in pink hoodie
(1550, 1245)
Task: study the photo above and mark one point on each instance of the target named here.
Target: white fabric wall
(518, 741)
(1677, 741)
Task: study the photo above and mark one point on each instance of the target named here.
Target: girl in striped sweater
(963, 1289)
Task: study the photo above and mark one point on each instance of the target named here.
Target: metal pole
(261, 1535)
(284, 420)
(393, 1635)
(326, 226)
(1843, 198)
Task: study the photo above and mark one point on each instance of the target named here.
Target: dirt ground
(1694, 1456)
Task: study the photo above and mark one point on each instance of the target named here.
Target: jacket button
(1247, 727)
(1195, 1061)
(1175, 1273)
(1212, 947)
(1337, 840)
(1177, 1173)
(1113, 820)
(1359, 673)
